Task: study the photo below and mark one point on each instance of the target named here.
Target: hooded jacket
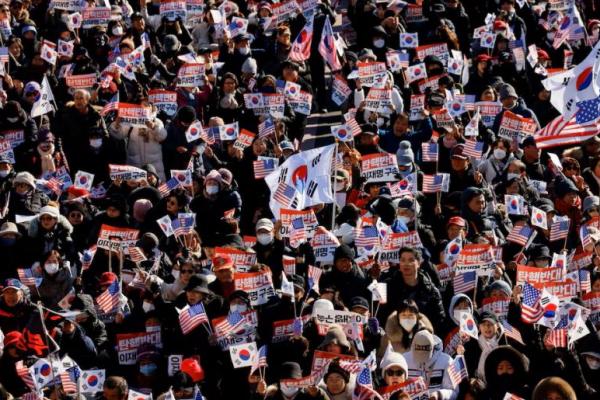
(55, 287)
(41, 241)
(516, 383)
(395, 334)
(452, 339)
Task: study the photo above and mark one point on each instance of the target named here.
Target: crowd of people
(318, 199)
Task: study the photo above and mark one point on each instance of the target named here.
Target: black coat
(349, 284)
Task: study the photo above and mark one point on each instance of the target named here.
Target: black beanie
(334, 368)
(186, 114)
(344, 251)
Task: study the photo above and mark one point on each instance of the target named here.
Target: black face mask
(504, 381)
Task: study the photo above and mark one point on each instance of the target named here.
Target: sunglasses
(394, 372)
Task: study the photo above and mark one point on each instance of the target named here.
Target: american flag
(436, 183)
(87, 257)
(54, 185)
(464, 282)
(353, 125)
(137, 282)
(110, 298)
(262, 356)
(520, 234)
(184, 224)
(458, 370)
(136, 254)
(264, 167)
(352, 366)
(33, 395)
(559, 229)
(4, 54)
(231, 324)
(68, 379)
(112, 105)
(366, 236)
(585, 282)
(166, 187)
(266, 128)
(364, 386)
(531, 311)
(28, 278)
(191, 317)
(198, 393)
(404, 60)
(585, 237)
(511, 331)
(589, 110)
(429, 152)
(314, 274)
(297, 232)
(473, 149)
(556, 337)
(25, 375)
(284, 194)
(559, 132)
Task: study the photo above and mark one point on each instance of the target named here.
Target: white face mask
(4, 173)
(117, 30)
(51, 268)
(95, 143)
(339, 186)
(499, 154)
(244, 50)
(457, 314)
(264, 238)
(511, 175)
(175, 274)
(212, 189)
(408, 323)
(147, 306)
(379, 43)
(404, 219)
(238, 307)
(593, 363)
(289, 391)
(12, 120)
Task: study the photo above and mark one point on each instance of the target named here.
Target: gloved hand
(373, 324)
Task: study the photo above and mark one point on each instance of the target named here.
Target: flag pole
(334, 204)
(46, 337)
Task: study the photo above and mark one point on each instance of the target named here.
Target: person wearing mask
(223, 269)
(24, 198)
(51, 231)
(281, 391)
(506, 370)
(512, 102)
(269, 247)
(57, 279)
(182, 272)
(176, 149)
(401, 326)
(500, 156)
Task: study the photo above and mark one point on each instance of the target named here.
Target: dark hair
(408, 304)
(118, 383)
(179, 194)
(415, 252)
(594, 162)
(229, 75)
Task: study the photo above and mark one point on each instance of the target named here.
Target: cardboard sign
(242, 260)
(308, 218)
(258, 285)
(111, 237)
(367, 71)
(128, 344)
(126, 172)
(244, 139)
(515, 128)
(16, 137)
(436, 49)
(379, 167)
(190, 75)
(133, 114)
(379, 100)
(538, 275)
(324, 244)
(173, 9)
(174, 364)
(474, 257)
(488, 111)
(95, 16)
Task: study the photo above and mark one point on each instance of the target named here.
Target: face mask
(550, 35)
(379, 43)
(4, 173)
(51, 268)
(499, 154)
(244, 51)
(148, 369)
(12, 120)
(339, 186)
(289, 391)
(148, 306)
(264, 238)
(405, 220)
(593, 363)
(457, 314)
(212, 189)
(408, 323)
(512, 175)
(238, 307)
(96, 143)
(5, 242)
(175, 274)
(117, 30)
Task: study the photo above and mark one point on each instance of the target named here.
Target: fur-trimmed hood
(62, 224)
(395, 334)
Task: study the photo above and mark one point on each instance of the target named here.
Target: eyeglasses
(394, 372)
(187, 271)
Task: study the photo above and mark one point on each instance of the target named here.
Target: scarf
(47, 159)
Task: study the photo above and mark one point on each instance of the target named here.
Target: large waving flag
(561, 132)
(301, 47)
(327, 47)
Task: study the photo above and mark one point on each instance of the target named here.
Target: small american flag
(458, 370)
(110, 298)
(266, 128)
(520, 234)
(436, 183)
(284, 194)
(230, 325)
(473, 149)
(136, 254)
(314, 274)
(4, 54)
(559, 229)
(33, 395)
(137, 282)
(25, 375)
(297, 232)
(511, 331)
(28, 278)
(556, 337)
(191, 317)
(112, 105)
(87, 257)
(531, 311)
(68, 379)
(264, 167)
(184, 224)
(585, 282)
(54, 185)
(585, 237)
(354, 126)
(166, 187)
(367, 236)
(465, 282)
(429, 151)
(364, 386)
(260, 360)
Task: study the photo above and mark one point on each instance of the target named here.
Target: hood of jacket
(455, 299)
(62, 224)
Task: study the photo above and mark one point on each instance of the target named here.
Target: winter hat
(563, 187)
(171, 43)
(334, 368)
(405, 154)
(214, 176)
(591, 202)
(393, 359)
(508, 91)
(181, 380)
(141, 208)
(49, 210)
(290, 370)
(487, 316)
(192, 367)
(226, 176)
(321, 305)
(250, 66)
(343, 251)
(335, 335)
(186, 114)
(422, 347)
(26, 178)
(500, 285)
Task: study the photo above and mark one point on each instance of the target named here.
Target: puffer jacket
(394, 333)
(41, 242)
(55, 287)
(143, 150)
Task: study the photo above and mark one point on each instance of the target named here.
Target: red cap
(15, 338)
(222, 262)
(482, 58)
(592, 23)
(77, 192)
(457, 221)
(542, 54)
(500, 25)
(192, 367)
(107, 278)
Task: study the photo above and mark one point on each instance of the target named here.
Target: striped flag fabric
(230, 325)
(112, 105)
(585, 281)
(520, 234)
(184, 224)
(25, 375)
(314, 274)
(511, 332)
(354, 126)
(559, 132)
(166, 187)
(366, 236)
(429, 152)
(473, 149)
(136, 254)
(33, 395)
(284, 194)
(531, 310)
(464, 282)
(68, 379)
(364, 386)
(260, 359)
(436, 183)
(559, 229)
(457, 370)
(191, 317)
(585, 237)
(28, 278)
(556, 338)
(297, 232)
(327, 47)
(266, 128)
(110, 298)
(298, 326)
(4, 58)
(302, 44)
(264, 167)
